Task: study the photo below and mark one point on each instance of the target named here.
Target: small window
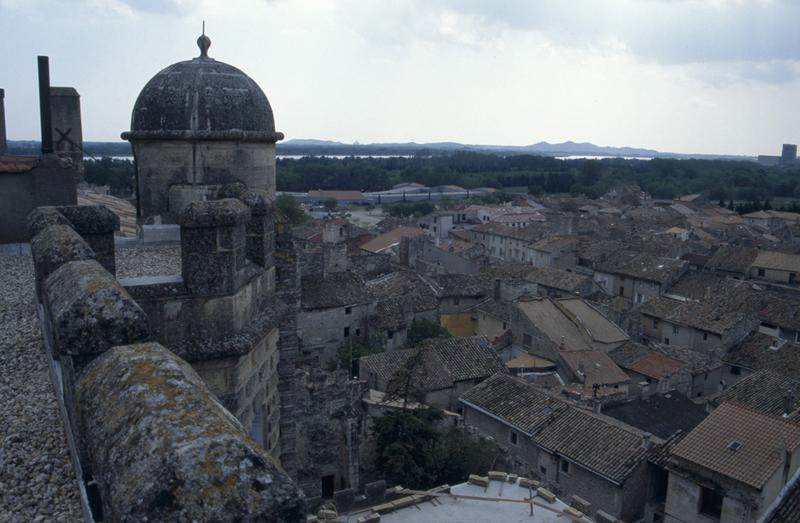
(736, 371)
(710, 503)
(347, 332)
(358, 332)
(675, 329)
(666, 341)
(341, 231)
(655, 324)
(505, 325)
(512, 437)
(565, 466)
(389, 334)
(348, 310)
(456, 301)
(761, 272)
(527, 341)
(543, 470)
(705, 336)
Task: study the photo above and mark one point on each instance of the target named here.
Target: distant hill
(334, 148)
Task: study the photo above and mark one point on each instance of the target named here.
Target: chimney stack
(44, 105)
(3, 143)
(788, 404)
(646, 441)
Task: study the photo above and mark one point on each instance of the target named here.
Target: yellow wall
(459, 324)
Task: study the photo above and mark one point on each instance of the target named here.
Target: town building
(731, 467)
(638, 277)
(570, 450)
(437, 372)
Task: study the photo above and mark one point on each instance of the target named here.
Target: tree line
(720, 180)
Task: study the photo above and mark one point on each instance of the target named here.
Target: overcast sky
(704, 76)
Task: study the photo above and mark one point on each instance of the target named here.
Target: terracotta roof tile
(17, 164)
(762, 441)
(391, 238)
(655, 365)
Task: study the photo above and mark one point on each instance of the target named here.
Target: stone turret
(196, 126)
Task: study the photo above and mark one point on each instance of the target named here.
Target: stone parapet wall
(170, 452)
(148, 439)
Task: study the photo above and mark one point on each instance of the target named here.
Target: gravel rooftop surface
(160, 260)
(37, 482)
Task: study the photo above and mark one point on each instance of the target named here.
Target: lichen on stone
(167, 450)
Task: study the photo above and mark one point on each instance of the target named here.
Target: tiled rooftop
(593, 441)
(740, 443)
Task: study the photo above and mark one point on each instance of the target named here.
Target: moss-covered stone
(56, 245)
(90, 311)
(42, 217)
(165, 450)
(215, 213)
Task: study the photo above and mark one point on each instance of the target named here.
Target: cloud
(663, 31)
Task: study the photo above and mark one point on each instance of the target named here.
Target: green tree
(289, 207)
(407, 446)
(416, 450)
(330, 205)
(356, 348)
(424, 329)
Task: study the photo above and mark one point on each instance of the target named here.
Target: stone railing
(148, 440)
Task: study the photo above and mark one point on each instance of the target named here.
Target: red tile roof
(17, 164)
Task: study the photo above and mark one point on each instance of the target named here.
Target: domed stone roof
(202, 99)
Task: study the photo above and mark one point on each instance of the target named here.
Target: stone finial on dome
(204, 42)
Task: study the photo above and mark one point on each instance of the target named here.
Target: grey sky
(710, 76)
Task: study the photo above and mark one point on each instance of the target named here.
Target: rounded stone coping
(214, 213)
(42, 217)
(163, 448)
(89, 311)
(56, 245)
(233, 135)
(90, 219)
(257, 200)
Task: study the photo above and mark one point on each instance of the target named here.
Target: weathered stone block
(164, 449)
(528, 483)
(198, 241)
(90, 311)
(546, 495)
(213, 245)
(56, 245)
(604, 517)
(96, 224)
(375, 491)
(42, 217)
(481, 481)
(214, 213)
(90, 219)
(343, 499)
(231, 190)
(580, 504)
